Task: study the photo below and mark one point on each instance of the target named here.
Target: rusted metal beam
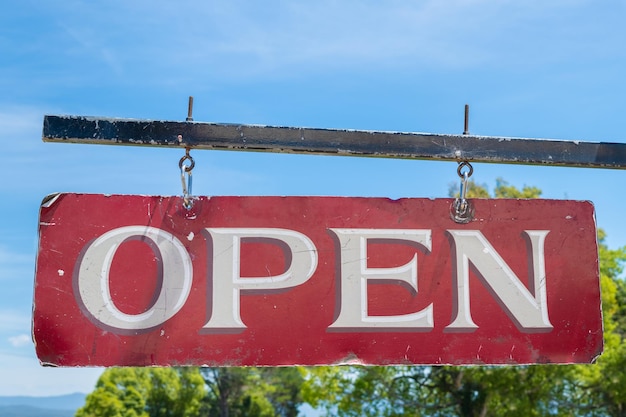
(429, 146)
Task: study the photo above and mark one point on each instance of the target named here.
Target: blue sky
(528, 69)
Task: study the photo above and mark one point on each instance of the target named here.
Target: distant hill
(57, 406)
(28, 411)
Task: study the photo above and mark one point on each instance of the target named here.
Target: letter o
(92, 280)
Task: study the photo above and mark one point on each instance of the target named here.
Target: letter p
(227, 280)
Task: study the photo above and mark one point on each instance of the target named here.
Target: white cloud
(195, 40)
(17, 123)
(15, 265)
(11, 321)
(25, 376)
(90, 43)
(8, 256)
(330, 34)
(20, 340)
(326, 34)
(21, 372)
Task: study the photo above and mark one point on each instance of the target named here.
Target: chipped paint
(346, 142)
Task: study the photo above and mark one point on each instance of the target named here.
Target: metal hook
(462, 210)
(468, 173)
(192, 163)
(185, 171)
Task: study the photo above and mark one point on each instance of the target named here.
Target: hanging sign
(238, 281)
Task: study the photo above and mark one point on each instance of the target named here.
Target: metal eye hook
(185, 177)
(462, 211)
(461, 173)
(192, 163)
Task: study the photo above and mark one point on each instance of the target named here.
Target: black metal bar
(199, 135)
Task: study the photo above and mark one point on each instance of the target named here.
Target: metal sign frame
(299, 140)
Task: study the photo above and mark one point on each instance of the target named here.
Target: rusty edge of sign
(299, 140)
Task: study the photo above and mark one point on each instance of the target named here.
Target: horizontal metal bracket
(298, 140)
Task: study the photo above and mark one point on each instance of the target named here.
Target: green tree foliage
(286, 386)
(254, 392)
(234, 392)
(542, 390)
(436, 391)
(191, 392)
(145, 392)
(602, 387)
(502, 190)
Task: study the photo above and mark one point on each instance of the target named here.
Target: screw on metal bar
(466, 124)
(190, 110)
(462, 210)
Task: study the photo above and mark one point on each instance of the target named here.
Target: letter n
(528, 310)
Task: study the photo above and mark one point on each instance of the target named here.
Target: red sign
(138, 280)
